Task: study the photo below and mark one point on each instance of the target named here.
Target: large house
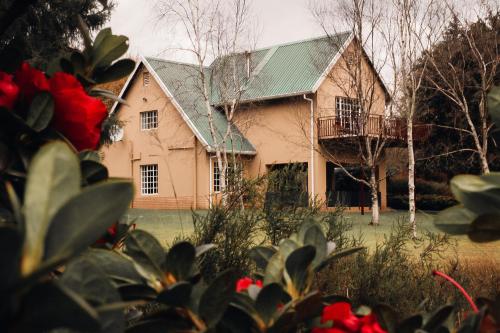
(290, 112)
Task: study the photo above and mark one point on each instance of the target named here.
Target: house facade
(290, 112)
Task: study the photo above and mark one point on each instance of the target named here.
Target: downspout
(210, 182)
(312, 144)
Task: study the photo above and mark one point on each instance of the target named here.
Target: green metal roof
(182, 81)
(288, 69)
(278, 71)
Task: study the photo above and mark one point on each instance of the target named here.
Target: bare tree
(467, 45)
(216, 30)
(413, 25)
(360, 78)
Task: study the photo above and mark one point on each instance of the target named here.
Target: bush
(431, 202)
(422, 186)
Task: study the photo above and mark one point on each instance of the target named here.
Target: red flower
(344, 321)
(31, 81)
(244, 283)
(8, 91)
(76, 115)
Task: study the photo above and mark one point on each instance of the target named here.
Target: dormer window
(145, 79)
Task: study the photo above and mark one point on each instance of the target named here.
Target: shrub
(431, 202)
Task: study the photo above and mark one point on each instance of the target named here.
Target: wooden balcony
(390, 128)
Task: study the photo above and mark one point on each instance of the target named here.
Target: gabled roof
(285, 70)
(290, 69)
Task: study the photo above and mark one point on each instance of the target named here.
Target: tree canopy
(41, 30)
(453, 53)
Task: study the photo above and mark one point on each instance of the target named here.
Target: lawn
(167, 225)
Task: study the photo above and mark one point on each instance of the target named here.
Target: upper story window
(149, 179)
(145, 79)
(149, 120)
(346, 106)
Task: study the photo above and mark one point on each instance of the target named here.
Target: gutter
(310, 100)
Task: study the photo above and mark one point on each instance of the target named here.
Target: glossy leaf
(274, 269)
(86, 216)
(216, 298)
(438, 318)
(49, 305)
(176, 295)
(93, 172)
(314, 236)
(298, 265)
(41, 111)
(338, 255)
(180, 260)
(485, 228)
(116, 71)
(200, 250)
(476, 194)
(146, 251)
(261, 255)
(108, 50)
(455, 220)
(53, 178)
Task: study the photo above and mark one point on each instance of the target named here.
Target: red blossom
(8, 91)
(31, 81)
(344, 321)
(244, 283)
(76, 115)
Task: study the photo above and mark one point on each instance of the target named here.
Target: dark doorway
(343, 190)
(287, 185)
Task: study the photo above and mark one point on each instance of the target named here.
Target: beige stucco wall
(183, 176)
(280, 131)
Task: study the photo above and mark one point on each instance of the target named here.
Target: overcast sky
(280, 21)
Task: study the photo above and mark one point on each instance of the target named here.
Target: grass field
(167, 225)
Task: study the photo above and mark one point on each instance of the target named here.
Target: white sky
(280, 21)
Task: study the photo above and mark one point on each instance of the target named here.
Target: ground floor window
(234, 175)
(149, 179)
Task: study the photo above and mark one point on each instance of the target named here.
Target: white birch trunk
(411, 178)
(374, 196)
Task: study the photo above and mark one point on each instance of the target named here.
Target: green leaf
(103, 34)
(89, 155)
(108, 50)
(176, 295)
(11, 244)
(268, 300)
(41, 111)
(146, 251)
(49, 306)
(476, 194)
(314, 236)
(93, 172)
(287, 246)
(438, 318)
(53, 178)
(455, 220)
(200, 250)
(485, 228)
(261, 255)
(338, 255)
(216, 298)
(78, 61)
(298, 265)
(96, 92)
(116, 71)
(85, 218)
(90, 282)
(309, 306)
(411, 324)
(180, 260)
(274, 269)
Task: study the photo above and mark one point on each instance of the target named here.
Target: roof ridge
(174, 62)
(295, 42)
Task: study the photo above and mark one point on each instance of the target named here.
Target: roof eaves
(332, 63)
(125, 87)
(175, 103)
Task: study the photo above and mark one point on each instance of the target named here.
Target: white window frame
(215, 175)
(348, 110)
(149, 120)
(149, 179)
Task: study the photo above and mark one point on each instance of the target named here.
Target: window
(345, 106)
(230, 174)
(149, 179)
(145, 79)
(149, 120)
